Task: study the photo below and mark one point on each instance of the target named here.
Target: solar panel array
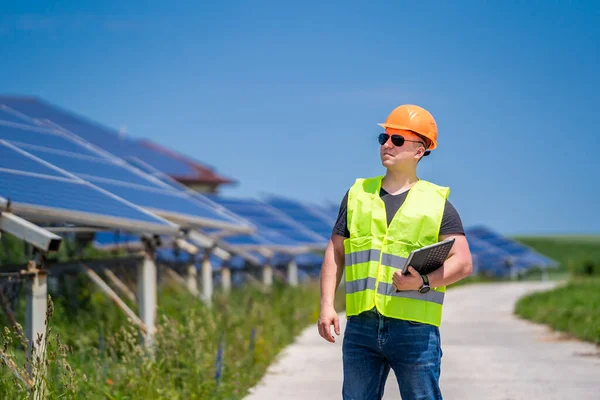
(130, 187)
(495, 254)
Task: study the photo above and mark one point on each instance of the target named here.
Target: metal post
(267, 275)
(545, 275)
(207, 280)
(191, 274)
(292, 273)
(36, 289)
(147, 295)
(191, 278)
(37, 304)
(226, 278)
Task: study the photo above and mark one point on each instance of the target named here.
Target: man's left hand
(413, 281)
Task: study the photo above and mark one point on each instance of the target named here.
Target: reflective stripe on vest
(373, 255)
(389, 290)
(375, 251)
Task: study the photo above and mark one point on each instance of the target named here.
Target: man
(393, 319)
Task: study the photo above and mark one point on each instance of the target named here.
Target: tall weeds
(198, 353)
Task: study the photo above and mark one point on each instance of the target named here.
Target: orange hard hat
(413, 118)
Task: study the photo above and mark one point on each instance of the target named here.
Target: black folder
(429, 258)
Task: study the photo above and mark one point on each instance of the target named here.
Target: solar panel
(309, 260)
(40, 137)
(328, 214)
(487, 257)
(311, 217)
(167, 164)
(115, 240)
(7, 115)
(45, 194)
(265, 216)
(101, 136)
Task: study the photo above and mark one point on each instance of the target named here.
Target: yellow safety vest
(375, 251)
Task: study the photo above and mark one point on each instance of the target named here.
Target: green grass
(573, 308)
(107, 361)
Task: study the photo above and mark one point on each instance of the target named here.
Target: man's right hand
(327, 318)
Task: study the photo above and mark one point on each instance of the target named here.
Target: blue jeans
(374, 343)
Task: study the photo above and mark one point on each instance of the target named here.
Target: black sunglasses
(397, 140)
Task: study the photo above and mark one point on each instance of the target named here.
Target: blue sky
(286, 97)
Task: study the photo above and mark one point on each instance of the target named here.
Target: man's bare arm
(331, 275)
(459, 264)
(332, 269)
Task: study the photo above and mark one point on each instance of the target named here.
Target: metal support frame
(292, 273)
(147, 294)
(221, 250)
(119, 284)
(267, 274)
(207, 278)
(186, 246)
(206, 241)
(36, 289)
(226, 278)
(267, 268)
(191, 274)
(169, 272)
(545, 275)
(279, 275)
(114, 297)
(40, 238)
(191, 279)
(251, 279)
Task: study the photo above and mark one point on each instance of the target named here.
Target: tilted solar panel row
(115, 176)
(47, 194)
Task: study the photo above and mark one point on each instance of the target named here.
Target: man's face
(392, 155)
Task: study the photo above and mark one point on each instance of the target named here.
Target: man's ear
(420, 152)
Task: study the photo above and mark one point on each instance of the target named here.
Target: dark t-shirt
(451, 222)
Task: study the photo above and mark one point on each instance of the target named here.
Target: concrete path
(488, 354)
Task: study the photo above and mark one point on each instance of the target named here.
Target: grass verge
(573, 308)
